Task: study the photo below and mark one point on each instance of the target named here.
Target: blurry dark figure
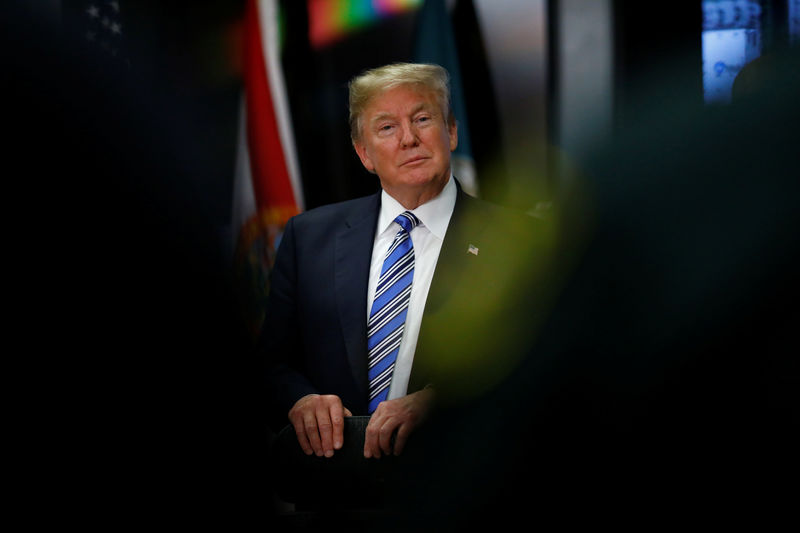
(143, 388)
(664, 386)
(770, 74)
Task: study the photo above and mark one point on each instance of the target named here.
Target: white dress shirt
(427, 238)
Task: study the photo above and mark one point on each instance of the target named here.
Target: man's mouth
(413, 160)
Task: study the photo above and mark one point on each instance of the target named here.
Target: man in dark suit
(320, 335)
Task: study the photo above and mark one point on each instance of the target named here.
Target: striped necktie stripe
(389, 309)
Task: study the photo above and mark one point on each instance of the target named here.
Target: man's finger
(385, 435)
(325, 427)
(371, 446)
(312, 432)
(400, 440)
(337, 420)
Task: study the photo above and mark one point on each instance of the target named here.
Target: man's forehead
(401, 99)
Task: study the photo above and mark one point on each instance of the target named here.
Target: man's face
(406, 141)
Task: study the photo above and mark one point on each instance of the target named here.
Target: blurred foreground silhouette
(663, 386)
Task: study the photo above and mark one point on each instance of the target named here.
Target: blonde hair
(367, 85)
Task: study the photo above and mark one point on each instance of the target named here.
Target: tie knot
(407, 220)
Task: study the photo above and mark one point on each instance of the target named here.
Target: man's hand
(319, 423)
(402, 415)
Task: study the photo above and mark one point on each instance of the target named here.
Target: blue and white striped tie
(387, 317)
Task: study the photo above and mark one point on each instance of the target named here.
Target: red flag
(267, 188)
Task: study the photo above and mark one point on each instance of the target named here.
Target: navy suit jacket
(314, 336)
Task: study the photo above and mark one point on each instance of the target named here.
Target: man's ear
(453, 133)
(361, 150)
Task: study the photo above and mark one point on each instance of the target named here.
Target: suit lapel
(351, 277)
(453, 257)
(454, 272)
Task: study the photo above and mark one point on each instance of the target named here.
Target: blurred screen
(732, 37)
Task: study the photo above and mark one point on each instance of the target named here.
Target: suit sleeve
(280, 344)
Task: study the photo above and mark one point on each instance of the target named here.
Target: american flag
(99, 25)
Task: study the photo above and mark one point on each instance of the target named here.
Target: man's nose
(408, 136)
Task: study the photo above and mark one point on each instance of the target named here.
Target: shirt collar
(434, 214)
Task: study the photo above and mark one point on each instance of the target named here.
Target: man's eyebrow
(422, 106)
(381, 116)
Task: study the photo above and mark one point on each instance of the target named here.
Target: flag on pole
(435, 43)
(267, 188)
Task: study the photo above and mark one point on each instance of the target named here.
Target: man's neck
(413, 198)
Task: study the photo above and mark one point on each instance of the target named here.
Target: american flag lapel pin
(472, 249)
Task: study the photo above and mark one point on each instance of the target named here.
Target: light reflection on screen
(731, 38)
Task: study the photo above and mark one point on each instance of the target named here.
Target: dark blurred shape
(767, 76)
(480, 99)
(656, 44)
(151, 405)
(664, 385)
